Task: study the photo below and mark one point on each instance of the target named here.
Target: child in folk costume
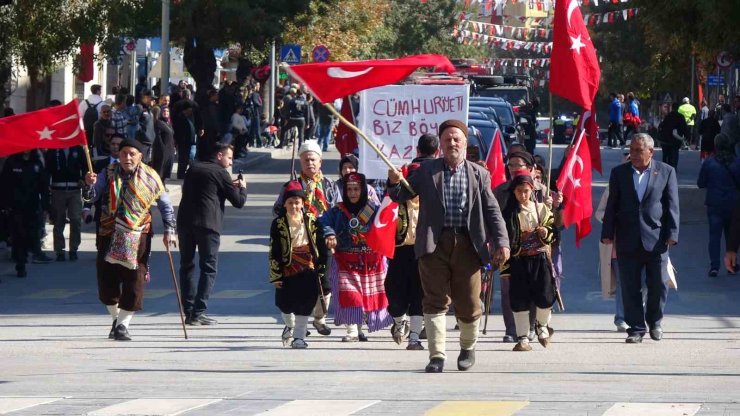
(297, 262)
(402, 282)
(358, 273)
(531, 231)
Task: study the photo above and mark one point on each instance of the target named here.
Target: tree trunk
(201, 63)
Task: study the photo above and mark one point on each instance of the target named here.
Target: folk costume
(125, 235)
(529, 269)
(358, 273)
(402, 282)
(372, 194)
(297, 258)
(320, 197)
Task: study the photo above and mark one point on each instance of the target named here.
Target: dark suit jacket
(206, 187)
(648, 224)
(485, 223)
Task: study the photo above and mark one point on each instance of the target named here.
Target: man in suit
(206, 187)
(458, 218)
(643, 206)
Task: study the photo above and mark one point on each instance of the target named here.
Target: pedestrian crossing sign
(290, 54)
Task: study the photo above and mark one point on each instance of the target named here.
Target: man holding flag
(458, 217)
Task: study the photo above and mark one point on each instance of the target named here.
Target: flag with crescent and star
(382, 234)
(587, 123)
(574, 67)
(575, 185)
(328, 81)
(495, 161)
(55, 127)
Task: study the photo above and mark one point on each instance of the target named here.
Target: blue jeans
(324, 134)
(195, 296)
(720, 218)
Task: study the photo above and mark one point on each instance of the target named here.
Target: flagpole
(552, 121)
(369, 142)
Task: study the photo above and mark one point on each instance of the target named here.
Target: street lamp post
(164, 54)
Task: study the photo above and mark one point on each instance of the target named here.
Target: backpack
(90, 117)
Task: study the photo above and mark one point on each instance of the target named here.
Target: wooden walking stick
(489, 297)
(293, 175)
(177, 291)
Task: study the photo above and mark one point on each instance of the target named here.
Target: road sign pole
(164, 54)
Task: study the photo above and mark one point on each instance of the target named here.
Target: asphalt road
(55, 357)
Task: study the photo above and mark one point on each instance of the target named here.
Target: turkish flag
(328, 81)
(87, 62)
(346, 138)
(56, 127)
(574, 68)
(495, 161)
(575, 184)
(587, 122)
(382, 234)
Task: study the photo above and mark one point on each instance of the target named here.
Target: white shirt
(641, 180)
(94, 100)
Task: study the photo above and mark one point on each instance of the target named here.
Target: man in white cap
(320, 196)
(688, 112)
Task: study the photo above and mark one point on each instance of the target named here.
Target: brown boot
(522, 345)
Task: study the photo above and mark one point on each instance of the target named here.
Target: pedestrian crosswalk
(245, 406)
(59, 293)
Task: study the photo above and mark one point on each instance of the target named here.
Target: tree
(346, 27)
(412, 27)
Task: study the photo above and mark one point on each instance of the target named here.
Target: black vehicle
(513, 89)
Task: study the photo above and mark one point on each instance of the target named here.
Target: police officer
(24, 185)
(298, 112)
(67, 168)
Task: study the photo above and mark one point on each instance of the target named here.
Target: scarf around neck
(315, 198)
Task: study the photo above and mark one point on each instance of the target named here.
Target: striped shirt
(456, 196)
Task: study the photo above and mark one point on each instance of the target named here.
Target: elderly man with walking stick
(127, 190)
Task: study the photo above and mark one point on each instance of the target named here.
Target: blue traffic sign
(320, 53)
(290, 54)
(715, 80)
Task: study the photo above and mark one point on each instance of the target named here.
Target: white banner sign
(394, 116)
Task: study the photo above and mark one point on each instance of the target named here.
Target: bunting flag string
(591, 19)
(496, 7)
(519, 62)
(515, 32)
(467, 37)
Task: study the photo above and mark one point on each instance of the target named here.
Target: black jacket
(207, 185)
(66, 171)
(24, 184)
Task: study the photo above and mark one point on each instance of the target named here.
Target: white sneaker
(622, 327)
(287, 335)
(298, 343)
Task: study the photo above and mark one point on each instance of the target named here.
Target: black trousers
(403, 284)
(670, 156)
(118, 284)
(615, 135)
(298, 294)
(300, 123)
(24, 234)
(530, 282)
(631, 265)
(195, 297)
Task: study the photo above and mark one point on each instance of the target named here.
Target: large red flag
(495, 161)
(575, 184)
(574, 68)
(328, 81)
(587, 122)
(50, 128)
(346, 138)
(382, 234)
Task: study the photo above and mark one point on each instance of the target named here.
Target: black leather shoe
(634, 339)
(465, 360)
(121, 333)
(436, 365)
(322, 328)
(73, 256)
(656, 333)
(112, 333)
(60, 257)
(509, 339)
